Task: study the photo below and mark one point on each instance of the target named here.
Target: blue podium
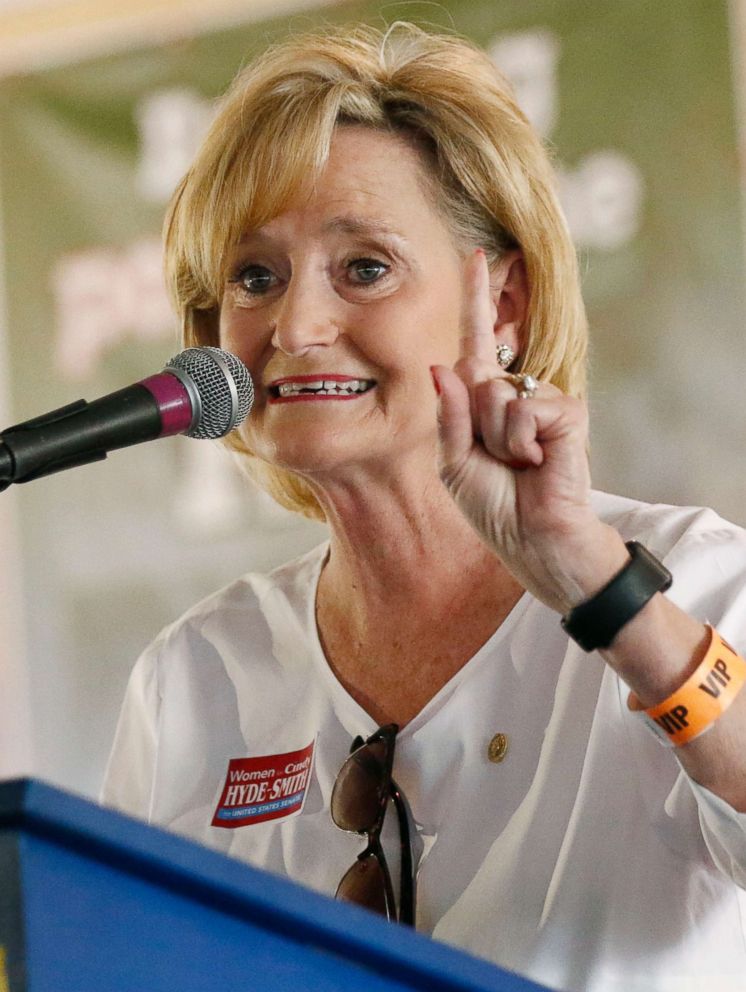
(92, 900)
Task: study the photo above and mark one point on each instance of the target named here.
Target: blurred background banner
(100, 112)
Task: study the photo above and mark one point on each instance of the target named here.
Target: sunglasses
(360, 798)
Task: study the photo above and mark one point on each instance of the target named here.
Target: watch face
(596, 622)
(656, 568)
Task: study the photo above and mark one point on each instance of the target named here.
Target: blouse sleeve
(709, 568)
(130, 773)
(724, 831)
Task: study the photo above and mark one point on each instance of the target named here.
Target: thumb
(454, 419)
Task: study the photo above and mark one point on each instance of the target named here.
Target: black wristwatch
(596, 622)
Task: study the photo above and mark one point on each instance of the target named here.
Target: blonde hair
(270, 140)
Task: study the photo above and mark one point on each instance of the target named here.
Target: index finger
(477, 332)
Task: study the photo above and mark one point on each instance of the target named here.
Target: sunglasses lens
(359, 789)
(365, 885)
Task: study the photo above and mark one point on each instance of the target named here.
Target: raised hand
(518, 467)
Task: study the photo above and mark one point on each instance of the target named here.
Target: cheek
(441, 327)
(228, 330)
(239, 334)
(427, 322)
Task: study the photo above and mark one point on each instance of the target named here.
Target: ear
(510, 298)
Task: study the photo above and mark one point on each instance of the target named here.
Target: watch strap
(596, 622)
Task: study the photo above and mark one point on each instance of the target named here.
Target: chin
(307, 453)
(314, 450)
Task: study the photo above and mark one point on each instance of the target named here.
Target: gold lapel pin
(498, 748)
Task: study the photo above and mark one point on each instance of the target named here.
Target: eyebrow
(353, 224)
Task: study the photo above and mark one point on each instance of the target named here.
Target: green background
(108, 557)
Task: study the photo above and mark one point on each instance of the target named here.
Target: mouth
(318, 387)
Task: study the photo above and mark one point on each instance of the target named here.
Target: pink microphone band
(174, 404)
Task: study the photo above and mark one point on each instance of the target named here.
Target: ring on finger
(525, 384)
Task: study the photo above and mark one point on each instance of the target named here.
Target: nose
(306, 316)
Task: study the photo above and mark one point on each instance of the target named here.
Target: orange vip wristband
(704, 697)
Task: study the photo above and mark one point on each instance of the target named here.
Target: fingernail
(436, 384)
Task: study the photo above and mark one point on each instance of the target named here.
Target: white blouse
(586, 859)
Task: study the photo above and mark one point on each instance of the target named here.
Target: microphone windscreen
(220, 388)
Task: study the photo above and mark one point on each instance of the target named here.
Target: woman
(371, 217)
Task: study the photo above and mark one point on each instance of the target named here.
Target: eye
(255, 279)
(366, 270)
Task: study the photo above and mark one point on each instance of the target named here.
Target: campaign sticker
(265, 788)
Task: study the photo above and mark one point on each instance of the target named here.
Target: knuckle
(518, 409)
(473, 370)
(465, 366)
(498, 390)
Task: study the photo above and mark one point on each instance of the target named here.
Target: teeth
(324, 387)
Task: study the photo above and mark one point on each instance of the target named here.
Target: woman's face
(339, 306)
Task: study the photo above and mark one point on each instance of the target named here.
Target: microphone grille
(223, 386)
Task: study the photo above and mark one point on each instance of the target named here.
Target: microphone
(202, 392)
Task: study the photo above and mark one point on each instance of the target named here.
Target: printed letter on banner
(265, 788)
